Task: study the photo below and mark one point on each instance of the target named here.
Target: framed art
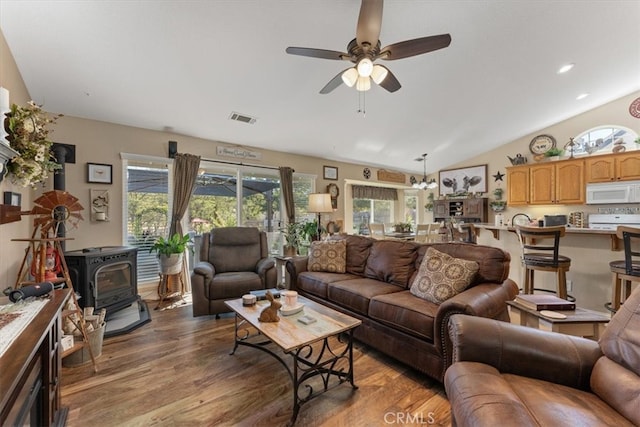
(99, 173)
(330, 172)
(12, 199)
(459, 182)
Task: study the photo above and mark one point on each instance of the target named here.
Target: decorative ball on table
(270, 314)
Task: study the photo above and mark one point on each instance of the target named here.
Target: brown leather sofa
(510, 374)
(233, 261)
(375, 289)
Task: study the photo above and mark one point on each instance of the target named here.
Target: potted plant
(171, 252)
(291, 235)
(498, 192)
(429, 205)
(498, 205)
(554, 153)
(402, 227)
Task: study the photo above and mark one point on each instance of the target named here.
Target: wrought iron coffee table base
(307, 364)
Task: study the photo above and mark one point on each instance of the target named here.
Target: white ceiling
(186, 65)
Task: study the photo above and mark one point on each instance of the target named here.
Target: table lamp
(320, 203)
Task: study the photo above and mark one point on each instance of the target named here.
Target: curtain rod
(240, 164)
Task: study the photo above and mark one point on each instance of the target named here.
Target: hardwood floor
(177, 371)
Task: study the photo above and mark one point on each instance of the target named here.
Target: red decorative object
(634, 108)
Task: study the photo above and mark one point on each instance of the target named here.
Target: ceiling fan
(365, 49)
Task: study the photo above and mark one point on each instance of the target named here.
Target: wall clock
(634, 108)
(366, 172)
(541, 144)
(334, 191)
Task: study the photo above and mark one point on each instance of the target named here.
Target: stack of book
(544, 302)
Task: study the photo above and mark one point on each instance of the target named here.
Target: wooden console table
(31, 369)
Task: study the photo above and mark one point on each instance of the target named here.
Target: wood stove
(105, 277)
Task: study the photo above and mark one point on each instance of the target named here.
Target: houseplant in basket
(171, 252)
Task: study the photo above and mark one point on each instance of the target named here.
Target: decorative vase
(171, 264)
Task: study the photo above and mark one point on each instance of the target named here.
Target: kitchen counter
(615, 242)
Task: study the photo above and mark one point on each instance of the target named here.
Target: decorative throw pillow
(329, 256)
(442, 276)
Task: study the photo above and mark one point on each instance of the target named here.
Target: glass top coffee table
(319, 358)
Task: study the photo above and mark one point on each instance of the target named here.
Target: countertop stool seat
(625, 271)
(539, 255)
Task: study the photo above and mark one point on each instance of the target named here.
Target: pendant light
(424, 184)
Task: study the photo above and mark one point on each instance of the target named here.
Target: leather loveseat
(375, 289)
(233, 261)
(513, 375)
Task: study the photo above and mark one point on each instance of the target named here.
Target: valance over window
(375, 193)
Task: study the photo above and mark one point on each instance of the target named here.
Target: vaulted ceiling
(185, 66)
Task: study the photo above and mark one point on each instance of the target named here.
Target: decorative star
(498, 176)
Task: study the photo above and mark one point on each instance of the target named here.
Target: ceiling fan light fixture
(379, 73)
(350, 77)
(363, 84)
(365, 67)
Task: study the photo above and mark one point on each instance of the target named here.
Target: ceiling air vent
(242, 118)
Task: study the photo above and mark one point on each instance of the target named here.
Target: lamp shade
(350, 76)
(320, 202)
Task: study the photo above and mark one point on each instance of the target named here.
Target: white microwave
(613, 193)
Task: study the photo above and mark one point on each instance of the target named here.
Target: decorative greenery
(176, 244)
(637, 140)
(498, 205)
(403, 227)
(498, 192)
(28, 135)
(554, 152)
(429, 205)
(292, 234)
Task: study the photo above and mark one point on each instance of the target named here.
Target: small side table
(282, 271)
(579, 322)
(168, 286)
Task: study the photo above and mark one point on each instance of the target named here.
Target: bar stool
(544, 257)
(627, 270)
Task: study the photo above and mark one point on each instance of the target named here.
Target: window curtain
(286, 184)
(184, 178)
(375, 193)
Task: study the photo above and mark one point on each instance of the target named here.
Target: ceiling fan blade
(390, 82)
(317, 53)
(333, 83)
(414, 47)
(369, 22)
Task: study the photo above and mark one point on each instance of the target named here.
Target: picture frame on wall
(12, 199)
(330, 172)
(463, 181)
(99, 173)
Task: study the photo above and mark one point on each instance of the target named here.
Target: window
(147, 211)
(604, 139)
(370, 210)
(410, 206)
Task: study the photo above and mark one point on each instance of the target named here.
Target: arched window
(605, 139)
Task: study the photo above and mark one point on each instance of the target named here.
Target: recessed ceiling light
(565, 68)
(582, 96)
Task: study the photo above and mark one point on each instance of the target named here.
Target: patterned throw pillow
(442, 276)
(329, 256)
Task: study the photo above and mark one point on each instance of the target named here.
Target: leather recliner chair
(504, 374)
(233, 261)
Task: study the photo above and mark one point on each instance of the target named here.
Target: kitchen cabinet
(467, 210)
(560, 182)
(518, 186)
(613, 167)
